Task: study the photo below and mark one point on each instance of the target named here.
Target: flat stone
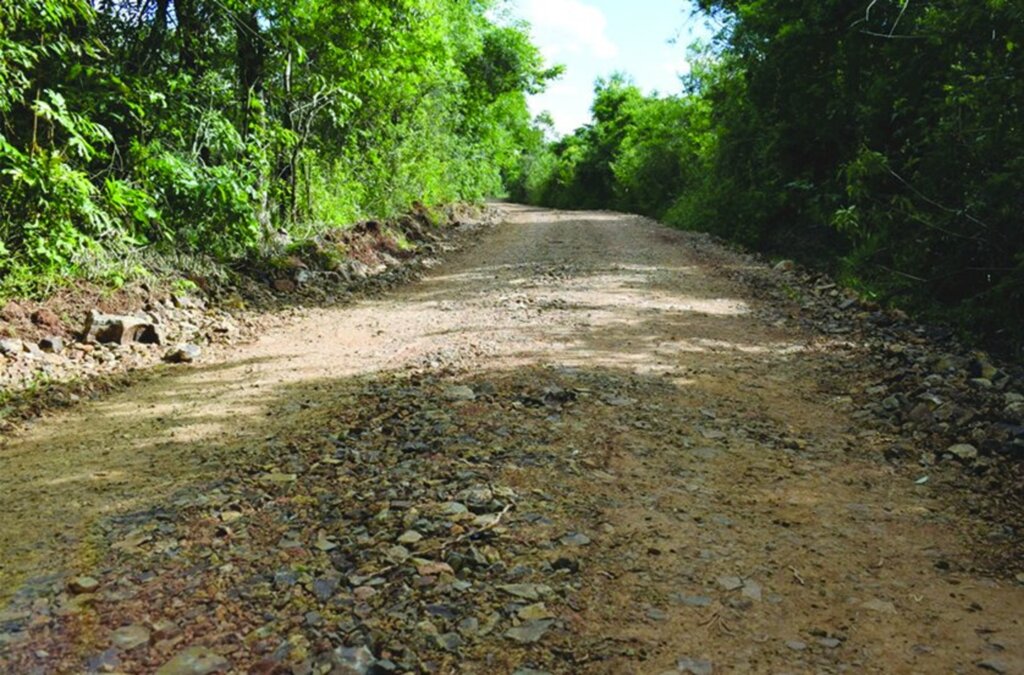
(278, 478)
(964, 451)
(469, 626)
(83, 585)
(526, 591)
(194, 661)
(707, 454)
(450, 642)
(410, 537)
(829, 642)
(694, 600)
(324, 588)
(433, 569)
(455, 509)
(104, 662)
(128, 638)
(164, 629)
(575, 539)
(730, 583)
(796, 645)
(655, 614)
(529, 632)
(459, 393)
(880, 606)
(398, 554)
(694, 666)
(752, 590)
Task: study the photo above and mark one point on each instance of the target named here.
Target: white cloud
(568, 101)
(565, 28)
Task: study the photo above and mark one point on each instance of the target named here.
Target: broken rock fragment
(121, 330)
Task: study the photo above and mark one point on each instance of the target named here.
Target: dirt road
(576, 447)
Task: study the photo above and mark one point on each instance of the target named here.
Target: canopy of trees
(881, 138)
(207, 125)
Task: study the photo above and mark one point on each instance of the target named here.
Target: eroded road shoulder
(572, 449)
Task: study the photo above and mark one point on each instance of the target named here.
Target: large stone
(11, 346)
(121, 330)
(695, 666)
(459, 393)
(53, 344)
(352, 661)
(185, 353)
(128, 638)
(529, 632)
(194, 661)
(83, 585)
(964, 451)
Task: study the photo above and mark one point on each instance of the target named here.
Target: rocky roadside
(85, 343)
(941, 409)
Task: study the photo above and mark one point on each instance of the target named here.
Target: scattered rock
(194, 661)
(128, 638)
(730, 583)
(184, 353)
(655, 614)
(164, 629)
(106, 661)
(796, 645)
(752, 589)
(994, 666)
(880, 606)
(526, 591)
(278, 478)
(694, 666)
(575, 539)
(529, 632)
(535, 612)
(459, 393)
(964, 451)
(83, 585)
(695, 600)
(52, 344)
(324, 588)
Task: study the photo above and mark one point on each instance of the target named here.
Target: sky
(595, 38)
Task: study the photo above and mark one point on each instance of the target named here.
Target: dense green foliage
(206, 125)
(881, 138)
